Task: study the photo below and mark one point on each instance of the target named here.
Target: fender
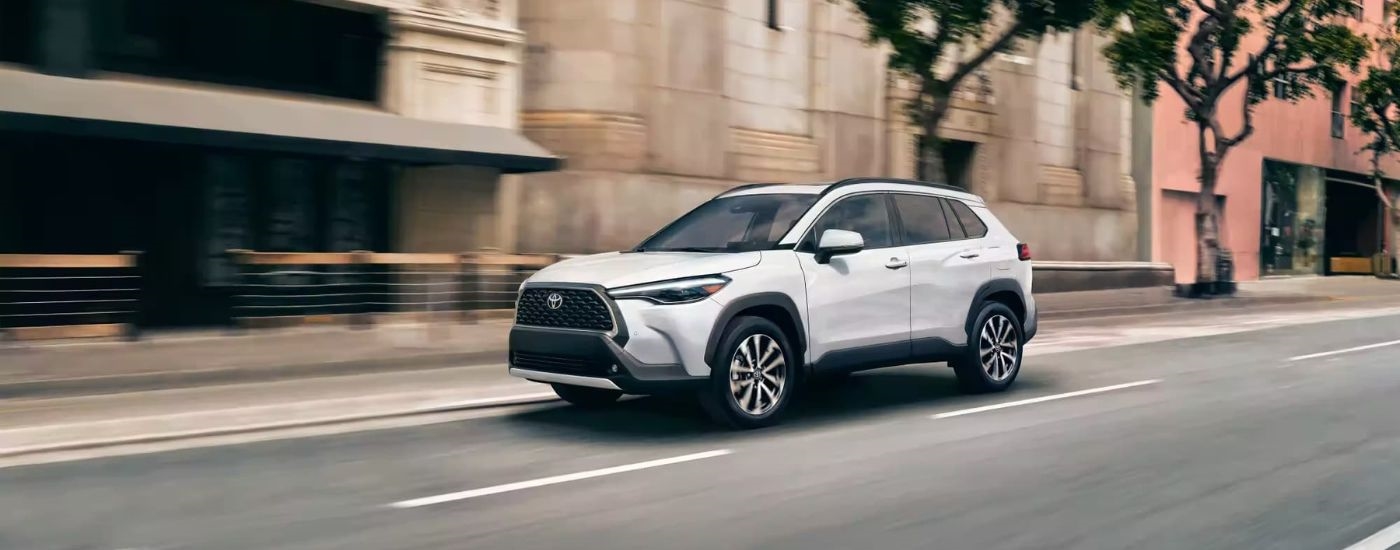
(732, 309)
(987, 289)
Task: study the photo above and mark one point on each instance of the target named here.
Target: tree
(1229, 46)
(1378, 115)
(925, 34)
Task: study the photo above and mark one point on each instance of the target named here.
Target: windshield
(732, 224)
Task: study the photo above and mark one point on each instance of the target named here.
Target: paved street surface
(1286, 437)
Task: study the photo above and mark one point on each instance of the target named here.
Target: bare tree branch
(1248, 128)
(1271, 45)
(1188, 95)
(1002, 42)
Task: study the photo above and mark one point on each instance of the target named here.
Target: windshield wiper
(700, 249)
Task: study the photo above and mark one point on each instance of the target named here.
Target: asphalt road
(1201, 443)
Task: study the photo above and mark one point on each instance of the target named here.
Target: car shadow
(860, 397)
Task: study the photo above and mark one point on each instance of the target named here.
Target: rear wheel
(754, 384)
(993, 355)
(591, 398)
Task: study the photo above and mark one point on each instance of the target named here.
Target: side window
(864, 214)
(922, 219)
(955, 228)
(971, 223)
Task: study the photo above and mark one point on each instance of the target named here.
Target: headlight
(682, 291)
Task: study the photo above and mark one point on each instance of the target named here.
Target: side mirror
(835, 242)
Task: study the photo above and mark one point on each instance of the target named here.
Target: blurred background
(221, 218)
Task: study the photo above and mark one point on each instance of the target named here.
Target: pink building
(1295, 195)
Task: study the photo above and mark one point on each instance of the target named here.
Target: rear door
(946, 269)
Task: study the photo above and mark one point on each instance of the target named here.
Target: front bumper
(590, 359)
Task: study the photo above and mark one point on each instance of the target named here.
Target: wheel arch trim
(765, 299)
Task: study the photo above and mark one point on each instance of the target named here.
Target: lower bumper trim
(569, 379)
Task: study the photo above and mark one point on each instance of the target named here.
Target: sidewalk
(183, 360)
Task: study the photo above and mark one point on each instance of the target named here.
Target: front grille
(575, 308)
(560, 364)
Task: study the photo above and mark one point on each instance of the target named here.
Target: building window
(299, 47)
(1356, 10)
(773, 22)
(1074, 63)
(1339, 118)
(1284, 85)
(17, 33)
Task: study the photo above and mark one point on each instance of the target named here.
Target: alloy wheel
(998, 347)
(757, 375)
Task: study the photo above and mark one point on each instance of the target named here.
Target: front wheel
(994, 350)
(753, 385)
(589, 398)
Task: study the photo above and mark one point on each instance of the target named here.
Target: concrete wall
(452, 61)
(446, 209)
(661, 104)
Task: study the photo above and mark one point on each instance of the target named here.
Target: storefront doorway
(1354, 225)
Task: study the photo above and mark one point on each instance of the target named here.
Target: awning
(173, 114)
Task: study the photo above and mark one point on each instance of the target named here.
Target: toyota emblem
(555, 300)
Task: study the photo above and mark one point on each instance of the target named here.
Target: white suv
(767, 285)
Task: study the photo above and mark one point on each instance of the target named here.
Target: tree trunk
(1392, 205)
(932, 164)
(1394, 267)
(1207, 217)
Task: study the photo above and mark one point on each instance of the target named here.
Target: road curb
(127, 383)
(90, 444)
(1182, 306)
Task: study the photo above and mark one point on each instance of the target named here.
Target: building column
(64, 39)
(458, 62)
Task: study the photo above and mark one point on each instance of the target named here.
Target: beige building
(288, 126)
(661, 104)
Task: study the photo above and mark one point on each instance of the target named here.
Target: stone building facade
(658, 105)
(285, 125)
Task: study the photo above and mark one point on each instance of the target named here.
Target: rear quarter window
(972, 225)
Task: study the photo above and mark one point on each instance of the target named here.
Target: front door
(858, 304)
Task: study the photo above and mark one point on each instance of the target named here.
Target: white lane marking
(1386, 538)
(1348, 350)
(486, 491)
(1090, 391)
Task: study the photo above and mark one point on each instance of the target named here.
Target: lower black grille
(563, 308)
(560, 364)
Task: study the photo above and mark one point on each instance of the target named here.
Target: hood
(619, 269)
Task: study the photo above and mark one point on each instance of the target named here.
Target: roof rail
(854, 181)
(745, 186)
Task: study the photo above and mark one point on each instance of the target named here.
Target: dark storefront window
(184, 208)
(1293, 220)
(273, 44)
(18, 21)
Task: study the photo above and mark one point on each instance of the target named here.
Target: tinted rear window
(972, 225)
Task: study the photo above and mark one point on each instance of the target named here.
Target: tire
(728, 399)
(998, 335)
(588, 398)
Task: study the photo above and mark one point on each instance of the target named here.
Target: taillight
(1023, 252)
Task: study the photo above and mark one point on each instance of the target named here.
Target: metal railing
(364, 288)
(46, 296)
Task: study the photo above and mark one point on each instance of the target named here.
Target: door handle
(896, 263)
(969, 255)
